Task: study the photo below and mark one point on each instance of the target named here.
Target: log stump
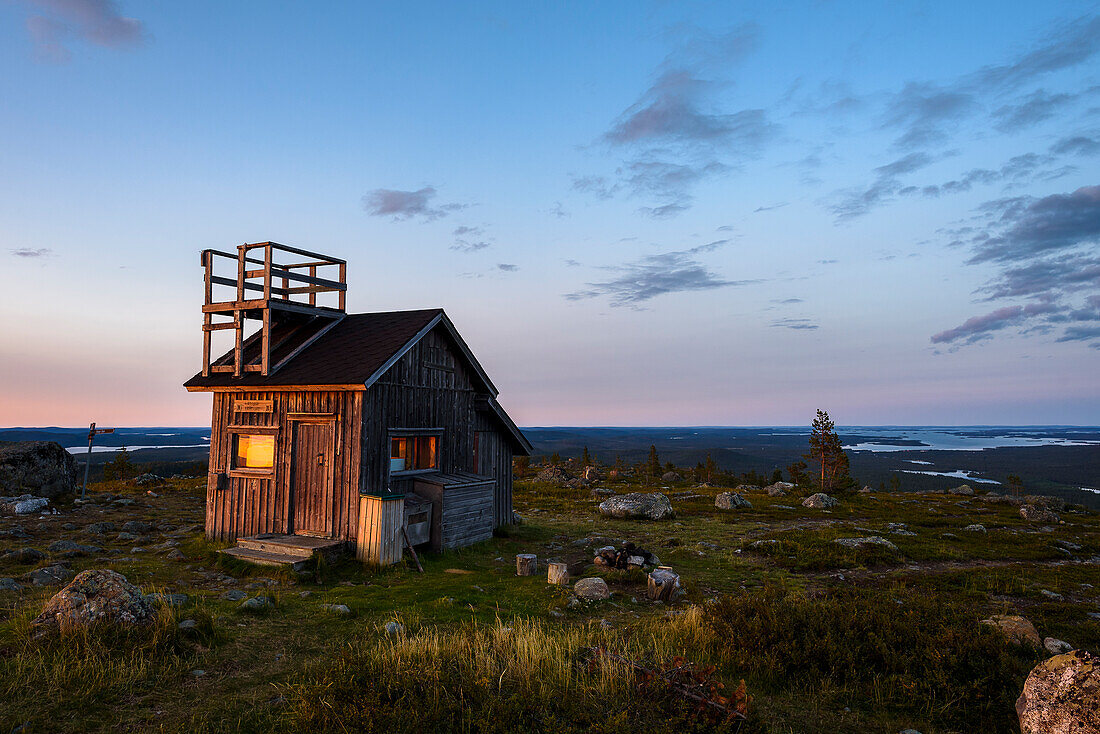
(557, 573)
(664, 585)
(526, 564)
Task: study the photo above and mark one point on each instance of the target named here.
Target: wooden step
(303, 546)
(281, 549)
(267, 558)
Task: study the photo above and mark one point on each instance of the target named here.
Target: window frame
(255, 473)
(414, 433)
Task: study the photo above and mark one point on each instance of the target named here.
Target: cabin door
(311, 479)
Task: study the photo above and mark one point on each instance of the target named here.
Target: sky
(636, 213)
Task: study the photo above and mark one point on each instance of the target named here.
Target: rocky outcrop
(671, 476)
(93, 597)
(39, 468)
(868, 542)
(654, 506)
(24, 504)
(964, 490)
(1062, 696)
(1039, 514)
(730, 501)
(820, 501)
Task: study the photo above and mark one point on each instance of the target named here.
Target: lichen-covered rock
(867, 542)
(139, 526)
(671, 476)
(653, 506)
(964, 490)
(25, 504)
(730, 501)
(101, 528)
(40, 468)
(71, 548)
(1057, 647)
(975, 528)
(95, 596)
(1062, 696)
(779, 489)
(1036, 513)
(591, 589)
(1016, 629)
(24, 555)
(820, 501)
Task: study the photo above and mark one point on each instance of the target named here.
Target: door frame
(332, 453)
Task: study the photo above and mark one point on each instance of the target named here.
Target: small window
(414, 453)
(253, 451)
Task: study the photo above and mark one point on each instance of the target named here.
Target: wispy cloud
(55, 23)
(507, 267)
(678, 132)
(30, 253)
(1045, 249)
(656, 275)
(403, 205)
(795, 324)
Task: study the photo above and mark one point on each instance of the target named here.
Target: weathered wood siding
(429, 387)
(381, 520)
(252, 505)
(494, 459)
(465, 513)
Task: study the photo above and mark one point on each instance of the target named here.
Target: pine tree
(711, 467)
(586, 460)
(827, 449)
(653, 463)
(797, 470)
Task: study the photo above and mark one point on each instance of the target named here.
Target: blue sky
(636, 213)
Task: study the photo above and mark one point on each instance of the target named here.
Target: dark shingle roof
(350, 353)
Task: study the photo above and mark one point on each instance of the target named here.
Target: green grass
(829, 639)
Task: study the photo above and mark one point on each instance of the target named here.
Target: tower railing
(279, 288)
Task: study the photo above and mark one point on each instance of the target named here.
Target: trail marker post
(92, 433)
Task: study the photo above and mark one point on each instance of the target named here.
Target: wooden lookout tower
(331, 430)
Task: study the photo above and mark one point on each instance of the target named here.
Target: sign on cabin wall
(252, 406)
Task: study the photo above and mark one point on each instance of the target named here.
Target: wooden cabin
(330, 429)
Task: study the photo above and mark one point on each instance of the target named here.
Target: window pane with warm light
(253, 451)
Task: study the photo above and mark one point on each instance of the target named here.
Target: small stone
(236, 595)
(393, 629)
(255, 604)
(342, 610)
(127, 537)
(1053, 595)
(69, 526)
(174, 555)
(592, 589)
(1015, 629)
(139, 526)
(9, 584)
(168, 600)
(198, 673)
(188, 624)
(49, 575)
(305, 594)
(975, 528)
(100, 528)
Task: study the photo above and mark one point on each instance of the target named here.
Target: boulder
(234, 595)
(26, 504)
(775, 490)
(1061, 696)
(963, 489)
(71, 548)
(49, 575)
(730, 501)
(867, 489)
(653, 506)
(671, 476)
(95, 596)
(867, 542)
(255, 604)
(975, 528)
(101, 528)
(9, 584)
(340, 610)
(1038, 514)
(23, 555)
(1016, 629)
(40, 468)
(139, 526)
(591, 589)
(820, 501)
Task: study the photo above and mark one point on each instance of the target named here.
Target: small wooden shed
(323, 421)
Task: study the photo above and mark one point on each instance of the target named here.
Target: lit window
(251, 451)
(414, 453)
